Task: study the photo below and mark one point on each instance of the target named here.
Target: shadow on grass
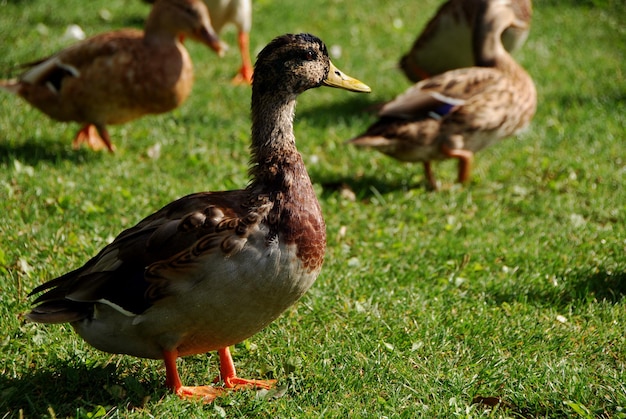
(63, 390)
(364, 187)
(575, 286)
(32, 152)
(602, 286)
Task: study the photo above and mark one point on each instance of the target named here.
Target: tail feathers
(63, 311)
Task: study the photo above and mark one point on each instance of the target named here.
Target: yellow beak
(337, 78)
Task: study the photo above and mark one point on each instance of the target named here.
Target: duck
(459, 112)
(446, 42)
(211, 269)
(119, 76)
(239, 14)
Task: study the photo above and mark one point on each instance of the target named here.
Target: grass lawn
(502, 298)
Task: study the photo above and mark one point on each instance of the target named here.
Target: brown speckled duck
(212, 268)
(446, 42)
(457, 113)
(118, 76)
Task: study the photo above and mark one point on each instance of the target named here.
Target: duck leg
(430, 178)
(465, 158)
(244, 76)
(209, 393)
(96, 138)
(172, 380)
(229, 375)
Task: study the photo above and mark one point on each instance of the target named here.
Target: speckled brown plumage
(457, 113)
(115, 77)
(446, 41)
(211, 269)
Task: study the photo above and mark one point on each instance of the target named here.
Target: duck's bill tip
(336, 78)
(212, 40)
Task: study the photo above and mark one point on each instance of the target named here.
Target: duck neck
(279, 175)
(156, 32)
(275, 160)
(490, 52)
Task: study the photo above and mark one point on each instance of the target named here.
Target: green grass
(509, 289)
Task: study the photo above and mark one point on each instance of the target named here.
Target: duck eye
(309, 55)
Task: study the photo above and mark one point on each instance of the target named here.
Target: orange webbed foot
(237, 383)
(204, 393)
(244, 76)
(95, 138)
(229, 375)
(207, 394)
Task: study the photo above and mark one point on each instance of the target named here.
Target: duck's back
(111, 78)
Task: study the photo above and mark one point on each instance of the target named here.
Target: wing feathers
(143, 264)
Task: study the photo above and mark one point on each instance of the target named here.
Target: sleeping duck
(212, 268)
(459, 112)
(118, 76)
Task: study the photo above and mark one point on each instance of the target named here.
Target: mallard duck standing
(446, 42)
(239, 13)
(457, 113)
(212, 268)
(118, 76)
